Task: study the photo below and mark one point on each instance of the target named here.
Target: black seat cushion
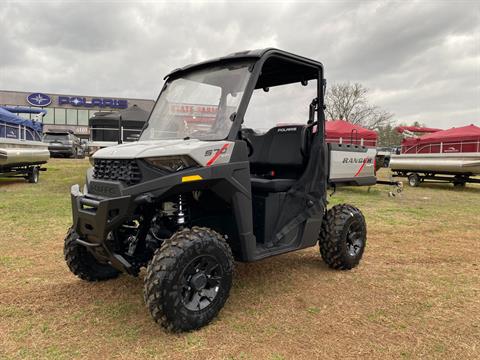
(272, 185)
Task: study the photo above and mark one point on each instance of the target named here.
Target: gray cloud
(421, 59)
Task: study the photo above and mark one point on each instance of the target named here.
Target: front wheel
(343, 237)
(82, 263)
(188, 279)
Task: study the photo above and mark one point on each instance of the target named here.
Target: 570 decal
(221, 150)
(216, 153)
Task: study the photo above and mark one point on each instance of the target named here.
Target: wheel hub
(354, 241)
(198, 281)
(201, 282)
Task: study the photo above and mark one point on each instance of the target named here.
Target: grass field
(416, 293)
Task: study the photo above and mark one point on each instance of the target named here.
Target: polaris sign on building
(93, 102)
(39, 99)
(65, 111)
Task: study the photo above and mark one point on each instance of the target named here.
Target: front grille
(126, 171)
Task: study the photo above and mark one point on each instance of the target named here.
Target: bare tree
(349, 102)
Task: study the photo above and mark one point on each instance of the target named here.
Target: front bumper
(94, 217)
(60, 150)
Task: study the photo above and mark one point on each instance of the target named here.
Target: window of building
(83, 117)
(72, 116)
(49, 116)
(59, 116)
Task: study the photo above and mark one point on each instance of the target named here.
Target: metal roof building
(66, 111)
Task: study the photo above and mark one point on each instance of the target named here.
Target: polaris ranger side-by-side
(185, 201)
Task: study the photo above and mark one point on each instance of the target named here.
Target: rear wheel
(343, 237)
(413, 180)
(189, 278)
(82, 263)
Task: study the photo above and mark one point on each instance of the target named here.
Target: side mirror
(266, 89)
(304, 82)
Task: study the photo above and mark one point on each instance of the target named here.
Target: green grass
(415, 294)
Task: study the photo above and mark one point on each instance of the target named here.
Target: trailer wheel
(188, 279)
(33, 175)
(414, 180)
(343, 237)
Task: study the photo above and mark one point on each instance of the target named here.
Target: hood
(151, 148)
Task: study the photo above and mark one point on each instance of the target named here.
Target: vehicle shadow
(260, 278)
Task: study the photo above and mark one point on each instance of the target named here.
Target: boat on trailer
(451, 155)
(22, 151)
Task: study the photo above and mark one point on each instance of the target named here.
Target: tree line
(349, 102)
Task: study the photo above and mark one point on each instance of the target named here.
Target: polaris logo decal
(287, 129)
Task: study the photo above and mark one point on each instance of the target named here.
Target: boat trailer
(416, 178)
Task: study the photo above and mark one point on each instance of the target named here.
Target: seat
(272, 185)
(278, 158)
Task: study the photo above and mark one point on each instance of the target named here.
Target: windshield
(199, 105)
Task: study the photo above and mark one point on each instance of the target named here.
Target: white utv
(189, 198)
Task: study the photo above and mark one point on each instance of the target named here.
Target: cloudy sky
(420, 59)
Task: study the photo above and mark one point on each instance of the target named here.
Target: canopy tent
(462, 139)
(8, 116)
(337, 131)
(416, 129)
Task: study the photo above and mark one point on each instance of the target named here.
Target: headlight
(172, 163)
(91, 160)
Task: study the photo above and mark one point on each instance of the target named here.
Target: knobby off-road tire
(343, 237)
(188, 279)
(82, 263)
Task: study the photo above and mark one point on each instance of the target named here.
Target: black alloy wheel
(188, 279)
(343, 237)
(355, 238)
(201, 281)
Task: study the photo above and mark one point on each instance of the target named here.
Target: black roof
(245, 55)
(133, 113)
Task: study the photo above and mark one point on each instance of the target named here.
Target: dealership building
(72, 112)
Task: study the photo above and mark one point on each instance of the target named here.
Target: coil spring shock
(180, 210)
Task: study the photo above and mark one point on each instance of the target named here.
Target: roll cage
(270, 67)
